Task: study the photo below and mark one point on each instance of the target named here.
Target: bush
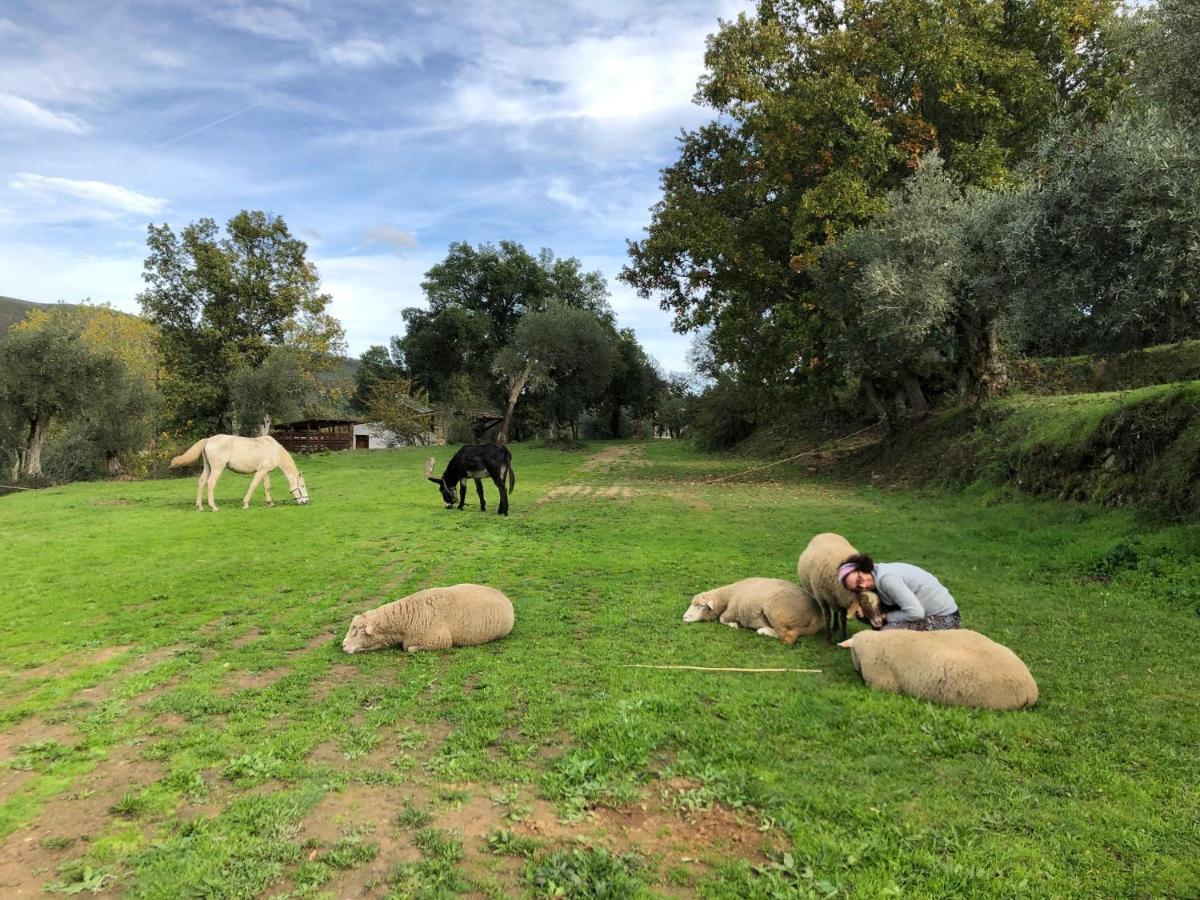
(70, 456)
(726, 415)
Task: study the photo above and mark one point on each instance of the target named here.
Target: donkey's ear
(436, 481)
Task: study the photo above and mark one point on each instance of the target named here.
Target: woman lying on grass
(912, 598)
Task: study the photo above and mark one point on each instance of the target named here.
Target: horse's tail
(189, 457)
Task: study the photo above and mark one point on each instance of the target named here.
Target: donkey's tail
(190, 456)
(512, 478)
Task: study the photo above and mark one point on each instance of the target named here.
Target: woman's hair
(861, 563)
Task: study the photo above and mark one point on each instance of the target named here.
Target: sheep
(434, 619)
(769, 606)
(816, 571)
(956, 667)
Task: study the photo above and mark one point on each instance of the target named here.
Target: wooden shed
(316, 435)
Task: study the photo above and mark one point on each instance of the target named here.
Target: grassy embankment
(178, 718)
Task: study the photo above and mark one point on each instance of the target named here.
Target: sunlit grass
(207, 647)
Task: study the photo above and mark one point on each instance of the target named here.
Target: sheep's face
(849, 645)
(703, 609)
(363, 637)
(867, 608)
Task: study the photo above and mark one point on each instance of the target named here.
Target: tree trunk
(614, 421)
(917, 404)
(265, 428)
(114, 464)
(34, 445)
(986, 369)
(514, 391)
(873, 398)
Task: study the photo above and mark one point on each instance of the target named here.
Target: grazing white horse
(247, 456)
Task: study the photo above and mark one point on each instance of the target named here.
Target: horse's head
(299, 489)
(447, 490)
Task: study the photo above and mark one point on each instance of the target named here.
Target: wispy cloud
(388, 234)
(25, 112)
(268, 21)
(357, 53)
(108, 198)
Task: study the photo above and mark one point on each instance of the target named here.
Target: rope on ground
(716, 668)
(816, 449)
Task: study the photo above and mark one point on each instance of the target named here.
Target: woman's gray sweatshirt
(916, 592)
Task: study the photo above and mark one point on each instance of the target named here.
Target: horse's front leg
(267, 487)
(258, 476)
(479, 491)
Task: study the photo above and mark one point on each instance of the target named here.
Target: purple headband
(845, 569)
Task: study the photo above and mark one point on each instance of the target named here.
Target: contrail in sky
(209, 125)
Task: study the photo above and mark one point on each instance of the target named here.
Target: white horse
(247, 456)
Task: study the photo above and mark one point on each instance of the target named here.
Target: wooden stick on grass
(716, 668)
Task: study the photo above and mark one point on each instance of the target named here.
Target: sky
(380, 131)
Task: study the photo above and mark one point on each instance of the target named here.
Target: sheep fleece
(816, 570)
(756, 603)
(433, 619)
(956, 668)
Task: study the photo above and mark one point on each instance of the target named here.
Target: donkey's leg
(499, 479)
(462, 493)
(267, 487)
(479, 491)
(258, 476)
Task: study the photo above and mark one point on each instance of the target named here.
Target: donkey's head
(446, 489)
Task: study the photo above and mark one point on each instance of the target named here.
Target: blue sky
(380, 131)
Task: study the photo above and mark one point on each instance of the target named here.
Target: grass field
(178, 718)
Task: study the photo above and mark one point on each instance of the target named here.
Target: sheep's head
(849, 645)
(705, 607)
(867, 608)
(364, 636)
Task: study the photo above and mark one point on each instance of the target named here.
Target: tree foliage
(401, 407)
(825, 108)
(221, 302)
(48, 373)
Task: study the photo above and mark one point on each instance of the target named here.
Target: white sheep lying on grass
(435, 619)
(817, 572)
(956, 667)
(769, 606)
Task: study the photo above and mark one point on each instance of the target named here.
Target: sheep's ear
(848, 643)
(370, 630)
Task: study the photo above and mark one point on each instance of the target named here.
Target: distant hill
(13, 311)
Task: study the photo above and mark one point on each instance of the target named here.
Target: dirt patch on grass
(241, 681)
(30, 855)
(70, 663)
(616, 458)
(587, 492)
(246, 639)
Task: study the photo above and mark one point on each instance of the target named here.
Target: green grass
(202, 651)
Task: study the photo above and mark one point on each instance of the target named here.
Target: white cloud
(264, 21)
(107, 198)
(357, 53)
(25, 112)
(396, 238)
(559, 190)
(49, 274)
(369, 293)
